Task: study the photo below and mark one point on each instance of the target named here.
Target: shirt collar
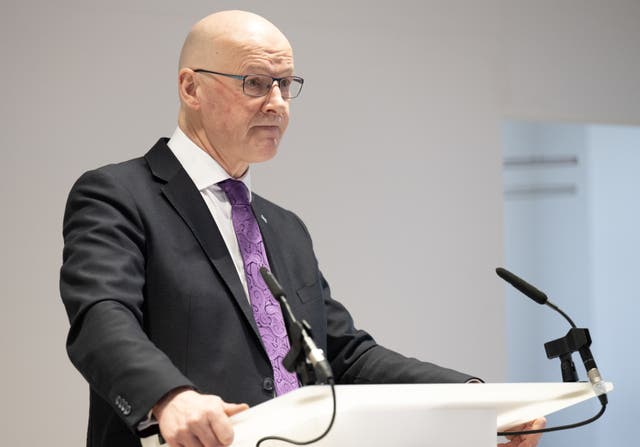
(204, 171)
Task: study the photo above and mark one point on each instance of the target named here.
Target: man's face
(242, 129)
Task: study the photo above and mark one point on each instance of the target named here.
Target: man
(159, 276)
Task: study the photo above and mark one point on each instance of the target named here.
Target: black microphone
(523, 286)
(576, 339)
(313, 354)
(532, 292)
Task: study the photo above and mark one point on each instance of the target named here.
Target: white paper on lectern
(404, 414)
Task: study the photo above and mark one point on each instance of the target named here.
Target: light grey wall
(402, 105)
(570, 60)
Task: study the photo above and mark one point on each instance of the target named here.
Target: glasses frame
(244, 77)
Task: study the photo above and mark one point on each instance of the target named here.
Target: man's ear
(188, 88)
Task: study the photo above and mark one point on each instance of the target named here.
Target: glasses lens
(290, 86)
(257, 85)
(260, 85)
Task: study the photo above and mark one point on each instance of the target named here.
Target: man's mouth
(268, 127)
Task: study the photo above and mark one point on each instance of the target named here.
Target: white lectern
(447, 415)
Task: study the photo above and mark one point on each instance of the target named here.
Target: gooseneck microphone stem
(557, 309)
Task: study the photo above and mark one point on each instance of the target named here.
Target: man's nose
(274, 101)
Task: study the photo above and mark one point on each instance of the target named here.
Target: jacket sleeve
(102, 285)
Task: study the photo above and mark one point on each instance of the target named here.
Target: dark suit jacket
(155, 301)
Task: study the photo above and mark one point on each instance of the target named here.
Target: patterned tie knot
(236, 191)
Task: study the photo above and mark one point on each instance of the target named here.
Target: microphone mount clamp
(576, 340)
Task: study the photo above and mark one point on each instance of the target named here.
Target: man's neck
(235, 170)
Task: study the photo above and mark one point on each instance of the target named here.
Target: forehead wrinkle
(265, 60)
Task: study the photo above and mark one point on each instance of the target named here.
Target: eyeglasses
(260, 85)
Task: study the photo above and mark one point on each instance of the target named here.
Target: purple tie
(266, 310)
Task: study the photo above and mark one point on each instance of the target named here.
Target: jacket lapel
(188, 203)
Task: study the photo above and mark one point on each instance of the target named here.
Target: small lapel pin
(264, 218)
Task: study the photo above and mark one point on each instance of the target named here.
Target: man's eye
(258, 83)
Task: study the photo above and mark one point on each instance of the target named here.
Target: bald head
(218, 38)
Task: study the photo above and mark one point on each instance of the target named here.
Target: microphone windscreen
(532, 292)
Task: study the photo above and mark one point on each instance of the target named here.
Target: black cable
(291, 441)
(558, 428)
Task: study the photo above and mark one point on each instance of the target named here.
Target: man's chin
(266, 150)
